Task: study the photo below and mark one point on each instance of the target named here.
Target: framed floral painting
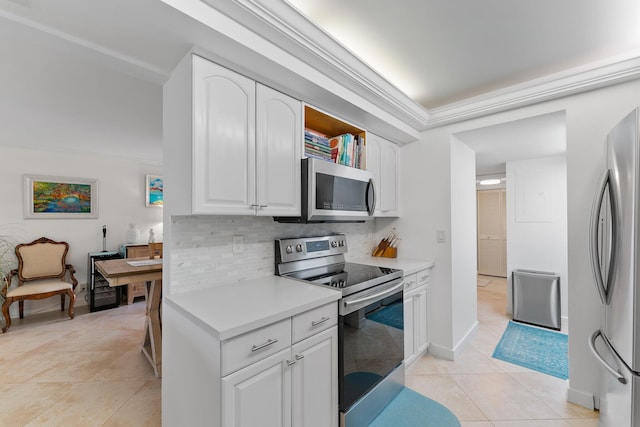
(52, 197)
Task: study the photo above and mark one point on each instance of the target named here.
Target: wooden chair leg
(62, 302)
(5, 313)
(21, 309)
(72, 301)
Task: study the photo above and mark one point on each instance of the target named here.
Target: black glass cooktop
(349, 277)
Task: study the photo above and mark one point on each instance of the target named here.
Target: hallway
(486, 392)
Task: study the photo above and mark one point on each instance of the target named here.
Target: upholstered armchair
(42, 273)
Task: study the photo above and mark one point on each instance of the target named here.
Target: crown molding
(284, 26)
(554, 86)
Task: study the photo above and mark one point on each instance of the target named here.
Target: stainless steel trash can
(536, 298)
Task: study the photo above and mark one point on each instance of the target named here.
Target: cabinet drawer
(424, 277)
(410, 282)
(253, 346)
(313, 321)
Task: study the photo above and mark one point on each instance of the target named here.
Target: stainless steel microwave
(334, 193)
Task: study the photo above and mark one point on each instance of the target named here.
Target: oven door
(338, 193)
(371, 338)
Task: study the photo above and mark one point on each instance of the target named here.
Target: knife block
(390, 253)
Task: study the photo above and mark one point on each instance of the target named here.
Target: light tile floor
(89, 371)
(486, 392)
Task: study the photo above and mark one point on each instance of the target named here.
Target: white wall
(121, 195)
(537, 219)
(426, 206)
(425, 201)
(463, 244)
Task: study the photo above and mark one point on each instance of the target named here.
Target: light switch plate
(440, 236)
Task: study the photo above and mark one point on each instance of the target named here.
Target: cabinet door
(409, 338)
(389, 184)
(223, 140)
(382, 162)
(421, 330)
(278, 153)
(259, 395)
(373, 165)
(315, 381)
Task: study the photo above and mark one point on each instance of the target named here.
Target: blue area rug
(411, 409)
(390, 315)
(534, 348)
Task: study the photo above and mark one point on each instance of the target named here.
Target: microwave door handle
(371, 197)
(594, 227)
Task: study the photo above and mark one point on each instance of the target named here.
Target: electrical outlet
(238, 244)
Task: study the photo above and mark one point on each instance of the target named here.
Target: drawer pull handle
(317, 322)
(299, 356)
(425, 277)
(268, 343)
(291, 362)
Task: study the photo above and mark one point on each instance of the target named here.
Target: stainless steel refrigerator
(615, 259)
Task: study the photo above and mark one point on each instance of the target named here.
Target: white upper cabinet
(382, 158)
(232, 146)
(278, 153)
(223, 140)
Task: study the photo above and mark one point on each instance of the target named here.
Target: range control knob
(341, 283)
(334, 244)
(298, 247)
(341, 243)
(289, 249)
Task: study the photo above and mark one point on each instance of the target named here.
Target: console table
(120, 272)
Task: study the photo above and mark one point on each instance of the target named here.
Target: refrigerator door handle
(592, 345)
(594, 226)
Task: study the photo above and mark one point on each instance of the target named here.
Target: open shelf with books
(333, 140)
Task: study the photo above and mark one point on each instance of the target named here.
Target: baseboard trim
(582, 398)
(441, 352)
(452, 353)
(462, 344)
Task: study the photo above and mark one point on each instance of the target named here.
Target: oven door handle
(386, 292)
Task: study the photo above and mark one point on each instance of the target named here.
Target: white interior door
(492, 233)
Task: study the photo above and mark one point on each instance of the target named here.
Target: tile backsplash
(202, 250)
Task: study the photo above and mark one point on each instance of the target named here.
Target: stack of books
(349, 150)
(317, 146)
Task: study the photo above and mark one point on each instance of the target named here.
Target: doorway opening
(521, 221)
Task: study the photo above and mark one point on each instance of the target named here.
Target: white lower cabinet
(283, 374)
(315, 381)
(416, 323)
(295, 387)
(259, 395)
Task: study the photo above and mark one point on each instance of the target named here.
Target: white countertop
(407, 265)
(233, 309)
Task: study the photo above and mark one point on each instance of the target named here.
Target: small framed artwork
(54, 197)
(155, 195)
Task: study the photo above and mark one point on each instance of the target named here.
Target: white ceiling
(87, 74)
(531, 138)
(441, 51)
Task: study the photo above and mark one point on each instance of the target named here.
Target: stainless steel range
(370, 324)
